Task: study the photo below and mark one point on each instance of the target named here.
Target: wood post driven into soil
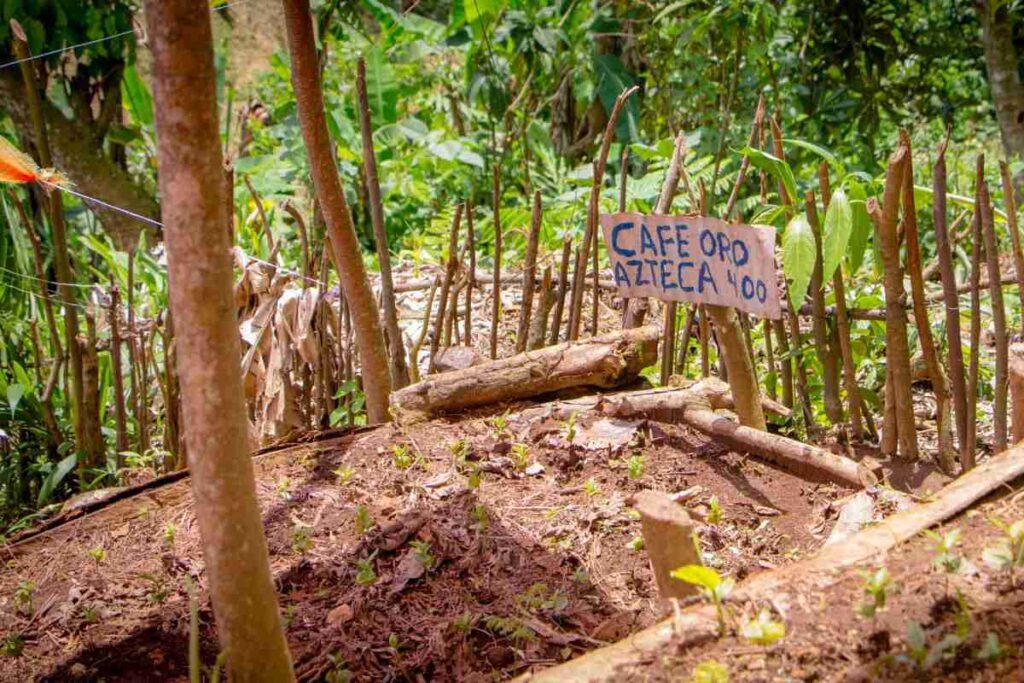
(669, 539)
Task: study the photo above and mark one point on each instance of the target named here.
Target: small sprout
(344, 474)
(339, 672)
(421, 549)
(520, 456)
(712, 586)
(992, 650)
(1008, 552)
(509, 627)
(287, 615)
(459, 450)
(581, 577)
(365, 576)
(500, 424)
(710, 671)
(946, 558)
(570, 427)
(169, 533)
(876, 586)
(635, 466)
(23, 594)
(591, 488)
(364, 523)
(919, 654)
(764, 630)
(962, 617)
(158, 590)
(88, 613)
(401, 457)
(302, 540)
(480, 518)
(474, 477)
(98, 554)
(636, 544)
(394, 644)
(714, 511)
(283, 488)
(13, 645)
(463, 623)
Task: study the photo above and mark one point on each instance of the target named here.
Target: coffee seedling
(1008, 552)
(363, 521)
(922, 657)
(520, 456)
(713, 588)
(763, 630)
(710, 671)
(635, 466)
(876, 587)
(715, 514)
(365, 576)
(23, 602)
(401, 457)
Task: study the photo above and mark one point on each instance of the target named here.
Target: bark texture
(200, 276)
(605, 361)
(345, 252)
(1003, 73)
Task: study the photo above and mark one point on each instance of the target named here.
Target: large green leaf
(798, 256)
(136, 95)
(612, 79)
(698, 575)
(774, 166)
(56, 477)
(836, 235)
(825, 154)
(861, 228)
(14, 393)
(381, 87)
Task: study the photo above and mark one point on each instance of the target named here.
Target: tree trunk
(529, 275)
(1003, 73)
(998, 313)
(742, 380)
(496, 289)
(606, 361)
(393, 333)
(899, 403)
(348, 260)
(200, 276)
(819, 325)
(117, 370)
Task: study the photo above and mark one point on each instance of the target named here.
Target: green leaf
(136, 95)
(764, 630)
(56, 477)
(825, 154)
(862, 228)
(774, 166)
(698, 575)
(453, 150)
(836, 237)
(798, 256)
(14, 394)
(612, 79)
(381, 87)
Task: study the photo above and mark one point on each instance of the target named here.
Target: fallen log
(698, 624)
(605, 361)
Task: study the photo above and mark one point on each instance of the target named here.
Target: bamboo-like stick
(120, 414)
(496, 288)
(1014, 230)
(446, 284)
(529, 275)
(471, 281)
(977, 249)
(998, 315)
(563, 290)
(414, 352)
(826, 354)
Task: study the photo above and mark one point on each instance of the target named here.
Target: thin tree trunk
(899, 418)
(200, 277)
(772, 378)
(945, 258)
(563, 290)
(785, 362)
(545, 298)
(496, 288)
(264, 221)
(1014, 230)
(61, 251)
(116, 368)
(924, 329)
(529, 275)
(801, 372)
(92, 447)
(471, 281)
(998, 313)
(348, 260)
(819, 325)
(705, 334)
(451, 266)
(1001, 62)
(668, 341)
(579, 276)
(977, 249)
(414, 352)
(392, 332)
(684, 345)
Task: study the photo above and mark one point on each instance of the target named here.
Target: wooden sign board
(694, 258)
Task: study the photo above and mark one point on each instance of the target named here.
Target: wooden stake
(1014, 230)
(120, 414)
(563, 290)
(471, 282)
(785, 363)
(529, 275)
(452, 265)
(1016, 372)
(977, 249)
(819, 326)
(545, 298)
(496, 288)
(669, 540)
(998, 313)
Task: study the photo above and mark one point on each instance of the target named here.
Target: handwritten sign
(694, 258)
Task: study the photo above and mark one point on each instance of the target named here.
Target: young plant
(922, 657)
(569, 426)
(459, 450)
(12, 645)
(98, 554)
(500, 425)
(763, 630)
(88, 613)
(1008, 552)
(401, 457)
(715, 515)
(591, 488)
(712, 586)
(283, 488)
(365, 575)
(169, 533)
(344, 474)
(710, 671)
(876, 587)
(302, 540)
(421, 549)
(991, 650)
(946, 559)
(481, 520)
(635, 466)
(339, 672)
(23, 598)
(158, 590)
(636, 544)
(520, 456)
(364, 523)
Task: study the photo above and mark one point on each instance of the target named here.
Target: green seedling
(459, 450)
(302, 540)
(991, 650)
(344, 474)
(715, 515)
(283, 488)
(401, 457)
(339, 672)
(569, 426)
(509, 627)
(710, 671)
(591, 488)
(1008, 552)
(946, 559)
(23, 598)
(463, 622)
(712, 586)
(13, 645)
(763, 630)
(922, 657)
(481, 520)
(365, 576)
(421, 549)
(636, 544)
(635, 466)
(520, 456)
(364, 523)
(539, 597)
(157, 591)
(170, 531)
(500, 425)
(98, 555)
(876, 587)
(88, 613)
